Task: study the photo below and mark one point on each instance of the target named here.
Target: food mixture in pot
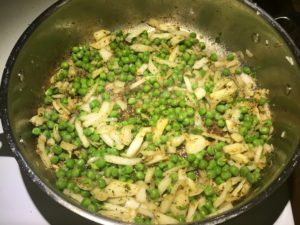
(154, 126)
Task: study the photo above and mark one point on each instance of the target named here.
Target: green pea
(88, 131)
(86, 202)
(93, 208)
(70, 163)
(212, 164)
(264, 130)
(211, 173)
(225, 175)
(238, 71)
(61, 183)
(139, 167)
(268, 123)
(54, 159)
(158, 173)
(219, 180)
(36, 131)
(91, 174)
(203, 164)
(193, 35)
(139, 220)
(146, 88)
(106, 96)
(75, 172)
(244, 109)
(221, 161)
(54, 116)
(100, 163)
(230, 57)
(213, 57)
(190, 111)
(80, 163)
(202, 45)
(211, 150)
(244, 171)
(56, 149)
(191, 175)
(234, 170)
(153, 193)
(114, 172)
(226, 72)
(174, 158)
(95, 137)
(186, 56)
(251, 178)
(128, 169)
(140, 175)
(75, 49)
(246, 70)
(202, 111)
(208, 122)
(221, 123)
(191, 157)
(50, 124)
(131, 101)
(82, 91)
(209, 191)
(210, 115)
(218, 170)
(243, 131)
(257, 142)
(47, 100)
(264, 137)
(94, 103)
(221, 108)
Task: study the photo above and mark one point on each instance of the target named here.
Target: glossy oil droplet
(255, 37)
(21, 76)
(288, 89)
(283, 134)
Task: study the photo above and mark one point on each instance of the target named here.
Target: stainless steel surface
(68, 26)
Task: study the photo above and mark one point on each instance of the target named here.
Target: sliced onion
(164, 184)
(165, 36)
(105, 54)
(137, 142)
(174, 54)
(75, 196)
(121, 189)
(101, 34)
(134, 34)
(159, 128)
(164, 219)
(81, 135)
(121, 160)
(195, 143)
(141, 48)
(164, 61)
(152, 68)
(103, 42)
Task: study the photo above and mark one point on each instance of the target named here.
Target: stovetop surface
(22, 202)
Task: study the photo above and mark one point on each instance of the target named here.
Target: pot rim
(12, 142)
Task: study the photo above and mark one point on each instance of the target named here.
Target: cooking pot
(238, 25)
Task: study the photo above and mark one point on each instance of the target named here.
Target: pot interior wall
(231, 22)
